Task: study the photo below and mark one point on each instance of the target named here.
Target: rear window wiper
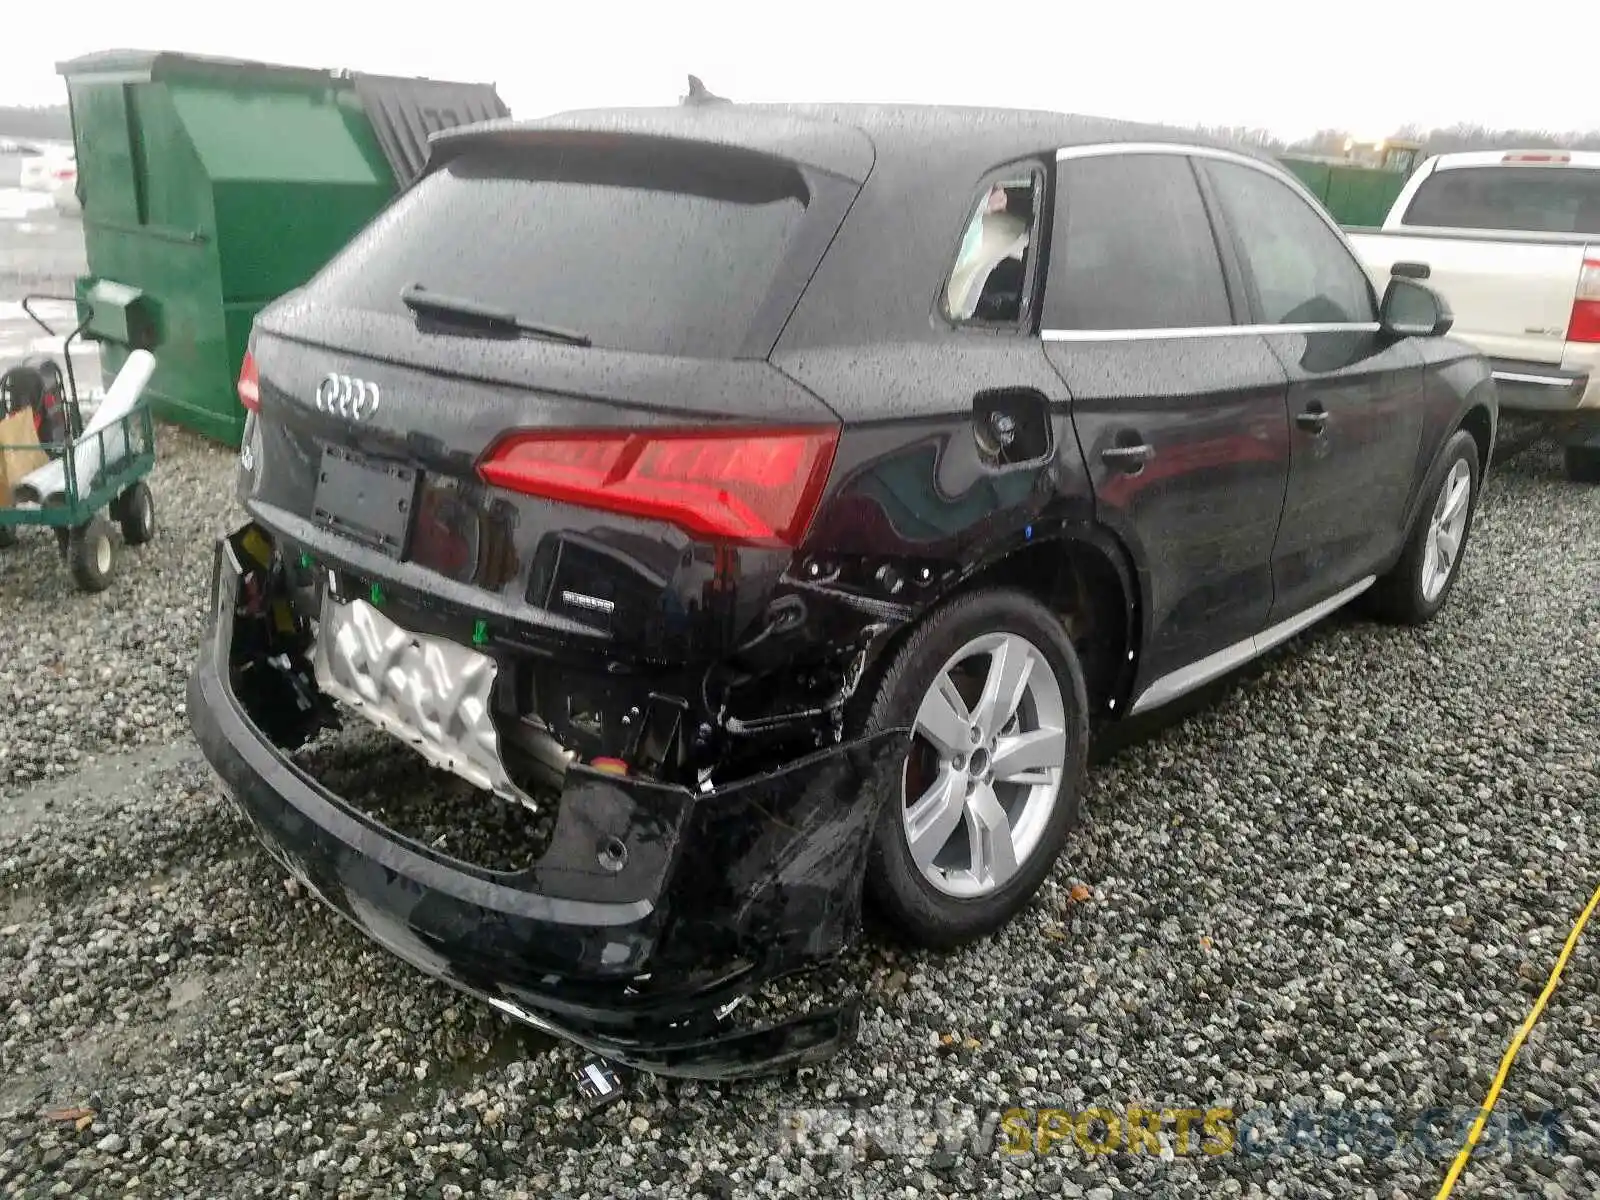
(475, 312)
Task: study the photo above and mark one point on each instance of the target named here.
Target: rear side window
(1132, 247)
(989, 282)
(1516, 199)
(1299, 270)
(644, 248)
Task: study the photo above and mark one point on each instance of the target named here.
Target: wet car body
(682, 704)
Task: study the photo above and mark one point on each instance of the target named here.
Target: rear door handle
(1128, 458)
(1411, 270)
(1314, 419)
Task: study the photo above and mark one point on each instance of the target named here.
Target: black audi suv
(766, 503)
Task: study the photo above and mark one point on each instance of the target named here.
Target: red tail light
(249, 385)
(1585, 324)
(750, 485)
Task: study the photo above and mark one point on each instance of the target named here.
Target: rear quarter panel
(869, 340)
(909, 483)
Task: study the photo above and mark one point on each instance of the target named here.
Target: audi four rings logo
(348, 396)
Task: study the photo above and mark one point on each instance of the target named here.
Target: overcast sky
(1288, 67)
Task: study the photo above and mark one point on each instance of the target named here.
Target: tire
(135, 511)
(1582, 463)
(1419, 584)
(955, 899)
(92, 555)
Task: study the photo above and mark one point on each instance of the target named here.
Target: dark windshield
(647, 248)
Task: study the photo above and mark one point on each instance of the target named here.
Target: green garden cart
(72, 475)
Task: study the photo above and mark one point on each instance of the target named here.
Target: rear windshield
(642, 248)
(1515, 199)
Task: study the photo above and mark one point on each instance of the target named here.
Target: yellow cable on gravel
(1465, 1154)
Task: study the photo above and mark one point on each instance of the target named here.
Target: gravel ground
(87, 675)
(1333, 886)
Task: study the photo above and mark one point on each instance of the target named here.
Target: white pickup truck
(1511, 239)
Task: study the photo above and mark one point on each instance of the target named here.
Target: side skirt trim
(1212, 666)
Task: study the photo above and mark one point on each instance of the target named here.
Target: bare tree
(1476, 137)
(1244, 135)
(1458, 137)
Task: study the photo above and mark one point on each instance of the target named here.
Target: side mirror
(1413, 309)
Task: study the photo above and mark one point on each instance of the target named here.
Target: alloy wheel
(1446, 529)
(984, 771)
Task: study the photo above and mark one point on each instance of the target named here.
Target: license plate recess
(367, 499)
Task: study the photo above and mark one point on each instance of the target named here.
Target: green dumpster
(212, 186)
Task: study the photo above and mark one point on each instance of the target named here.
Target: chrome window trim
(1097, 149)
(1188, 150)
(1203, 331)
(1068, 153)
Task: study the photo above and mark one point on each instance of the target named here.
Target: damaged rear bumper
(717, 892)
